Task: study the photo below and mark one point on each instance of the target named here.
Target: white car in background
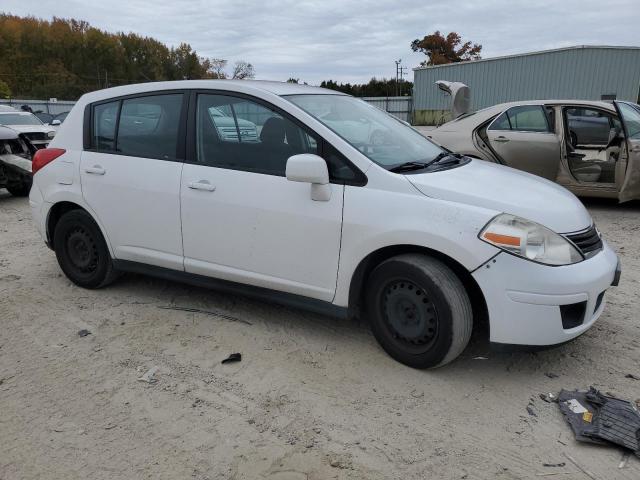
(27, 123)
(421, 242)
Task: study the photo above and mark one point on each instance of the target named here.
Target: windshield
(381, 137)
(19, 119)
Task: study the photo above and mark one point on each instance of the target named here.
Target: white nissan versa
(419, 241)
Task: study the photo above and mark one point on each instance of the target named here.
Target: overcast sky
(349, 40)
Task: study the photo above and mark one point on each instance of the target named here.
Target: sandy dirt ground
(313, 398)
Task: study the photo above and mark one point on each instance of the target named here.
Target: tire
(19, 189)
(419, 310)
(82, 251)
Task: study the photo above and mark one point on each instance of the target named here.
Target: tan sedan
(590, 147)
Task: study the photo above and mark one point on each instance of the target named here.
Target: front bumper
(524, 298)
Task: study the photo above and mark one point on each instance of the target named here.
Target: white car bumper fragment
(524, 298)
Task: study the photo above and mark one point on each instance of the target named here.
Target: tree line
(374, 88)
(65, 58)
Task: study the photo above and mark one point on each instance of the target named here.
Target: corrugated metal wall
(572, 73)
(399, 107)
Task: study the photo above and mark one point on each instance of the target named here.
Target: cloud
(348, 41)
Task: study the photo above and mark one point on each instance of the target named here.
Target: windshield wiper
(442, 156)
(408, 166)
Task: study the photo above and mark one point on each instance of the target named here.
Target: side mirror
(309, 168)
(55, 123)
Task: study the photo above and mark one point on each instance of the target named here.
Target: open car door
(630, 152)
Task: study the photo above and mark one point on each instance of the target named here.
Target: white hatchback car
(421, 242)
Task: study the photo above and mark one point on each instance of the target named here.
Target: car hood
(506, 190)
(31, 129)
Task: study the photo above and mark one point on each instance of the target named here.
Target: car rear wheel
(82, 251)
(419, 310)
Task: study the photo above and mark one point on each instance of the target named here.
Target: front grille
(35, 135)
(587, 241)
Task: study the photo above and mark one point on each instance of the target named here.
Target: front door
(524, 138)
(242, 220)
(630, 116)
(131, 177)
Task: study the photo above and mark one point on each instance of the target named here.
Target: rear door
(524, 138)
(630, 116)
(130, 175)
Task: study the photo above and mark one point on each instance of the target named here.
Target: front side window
(379, 136)
(240, 134)
(631, 117)
(589, 126)
(525, 118)
(149, 126)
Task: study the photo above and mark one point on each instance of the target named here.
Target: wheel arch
(58, 210)
(372, 260)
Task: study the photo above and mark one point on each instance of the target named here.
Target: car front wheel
(419, 310)
(82, 251)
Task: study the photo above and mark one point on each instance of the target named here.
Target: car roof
(19, 112)
(481, 116)
(250, 86)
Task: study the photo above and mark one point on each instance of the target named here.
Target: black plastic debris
(84, 333)
(234, 357)
(601, 419)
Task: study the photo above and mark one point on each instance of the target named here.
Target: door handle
(95, 170)
(501, 139)
(202, 185)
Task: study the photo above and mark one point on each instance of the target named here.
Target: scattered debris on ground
(149, 376)
(205, 312)
(549, 397)
(601, 419)
(234, 357)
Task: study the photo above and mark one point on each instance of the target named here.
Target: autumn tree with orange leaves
(449, 49)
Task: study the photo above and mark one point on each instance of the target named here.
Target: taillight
(43, 157)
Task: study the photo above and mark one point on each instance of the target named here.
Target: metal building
(581, 72)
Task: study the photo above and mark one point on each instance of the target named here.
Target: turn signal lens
(497, 238)
(44, 157)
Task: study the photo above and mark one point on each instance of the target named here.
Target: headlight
(51, 134)
(529, 240)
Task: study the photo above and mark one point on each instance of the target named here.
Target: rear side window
(149, 126)
(105, 116)
(525, 118)
(139, 127)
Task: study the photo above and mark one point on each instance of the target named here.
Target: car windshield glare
(381, 137)
(19, 119)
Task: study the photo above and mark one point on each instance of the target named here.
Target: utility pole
(400, 74)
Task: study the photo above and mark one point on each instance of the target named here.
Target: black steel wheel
(410, 316)
(419, 310)
(82, 251)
